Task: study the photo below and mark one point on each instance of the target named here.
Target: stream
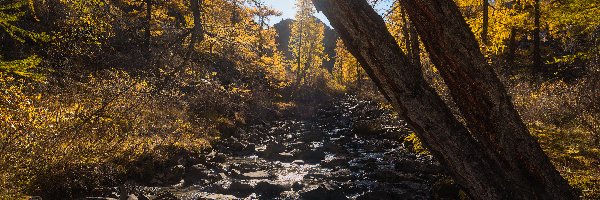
(350, 149)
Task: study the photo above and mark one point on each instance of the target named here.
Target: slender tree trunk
(512, 49)
(411, 39)
(493, 156)
(261, 39)
(415, 45)
(198, 30)
(341, 73)
(299, 54)
(358, 77)
(484, 32)
(405, 31)
(148, 33)
(537, 57)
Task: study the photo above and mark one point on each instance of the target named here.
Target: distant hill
(283, 41)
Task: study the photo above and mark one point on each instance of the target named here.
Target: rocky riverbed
(349, 149)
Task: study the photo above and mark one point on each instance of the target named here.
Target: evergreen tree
(11, 13)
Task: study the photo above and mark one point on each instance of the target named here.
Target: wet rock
(370, 164)
(377, 195)
(245, 167)
(312, 137)
(298, 162)
(268, 190)
(333, 148)
(235, 147)
(175, 174)
(142, 197)
(249, 149)
(324, 192)
(274, 148)
(366, 128)
(315, 176)
(312, 156)
(256, 175)
(131, 197)
(215, 188)
(240, 190)
(342, 175)
(413, 166)
(284, 157)
(386, 176)
(198, 174)
(335, 163)
(445, 189)
(166, 196)
(227, 130)
(297, 186)
(218, 158)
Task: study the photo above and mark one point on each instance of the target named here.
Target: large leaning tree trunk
(493, 156)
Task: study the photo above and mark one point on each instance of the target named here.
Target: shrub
(61, 141)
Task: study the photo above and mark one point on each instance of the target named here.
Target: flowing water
(349, 149)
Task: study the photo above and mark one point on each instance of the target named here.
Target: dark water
(350, 149)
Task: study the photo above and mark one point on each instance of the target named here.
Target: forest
(348, 99)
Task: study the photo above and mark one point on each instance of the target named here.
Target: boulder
(175, 174)
(256, 175)
(386, 176)
(268, 190)
(312, 156)
(166, 196)
(336, 163)
(323, 192)
(240, 190)
(274, 148)
(297, 186)
(377, 195)
(218, 158)
(199, 174)
(283, 157)
(445, 189)
(412, 166)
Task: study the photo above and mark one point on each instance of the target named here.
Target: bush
(565, 117)
(61, 141)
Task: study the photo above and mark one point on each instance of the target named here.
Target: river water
(348, 149)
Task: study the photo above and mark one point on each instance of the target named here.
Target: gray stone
(268, 190)
(323, 192)
(240, 190)
(256, 175)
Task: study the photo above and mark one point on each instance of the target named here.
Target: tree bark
(148, 34)
(494, 156)
(198, 30)
(512, 49)
(537, 57)
(484, 32)
(406, 32)
(415, 45)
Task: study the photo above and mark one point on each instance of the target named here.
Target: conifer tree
(11, 12)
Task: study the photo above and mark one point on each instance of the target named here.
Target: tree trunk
(512, 49)
(415, 45)
(406, 32)
(299, 54)
(484, 32)
(148, 34)
(358, 77)
(538, 66)
(198, 30)
(493, 157)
